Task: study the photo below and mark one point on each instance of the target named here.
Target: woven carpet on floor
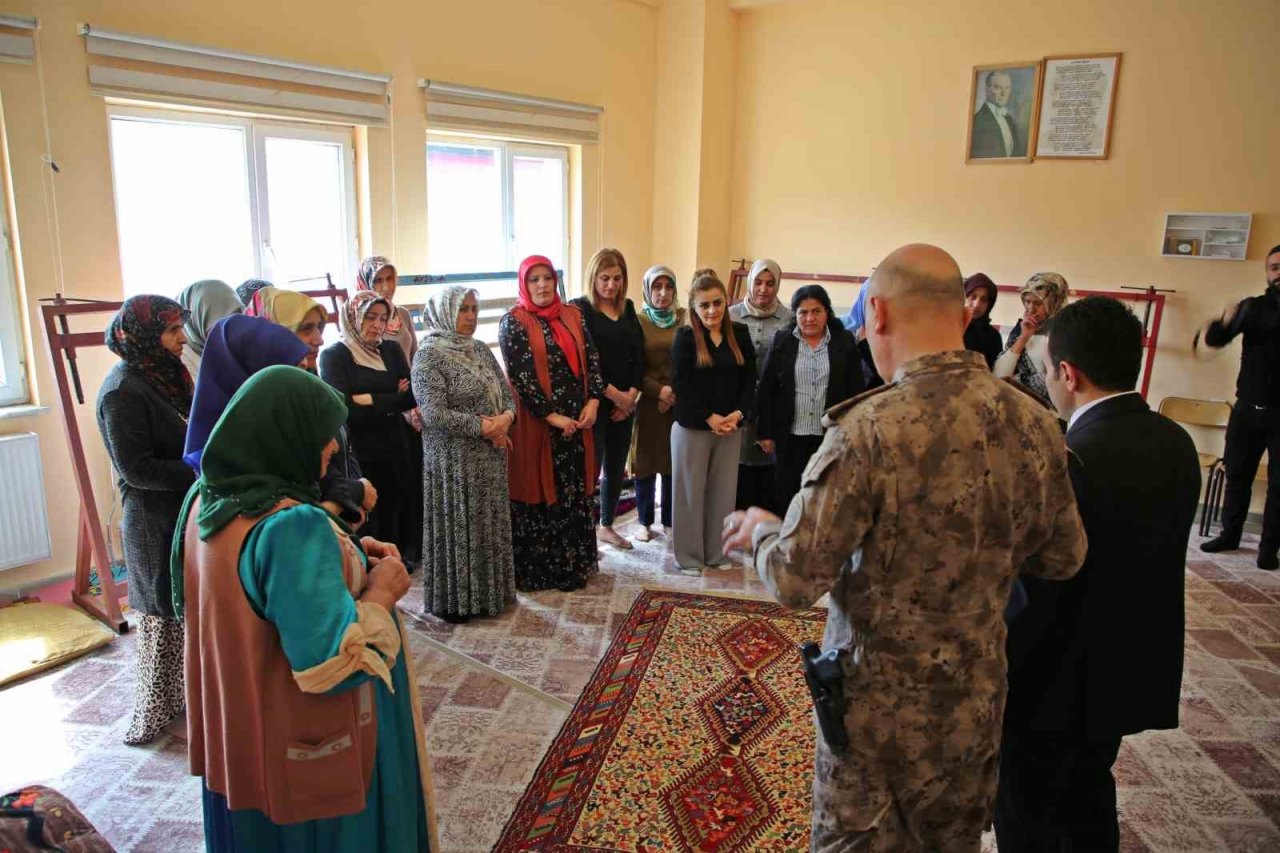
(693, 734)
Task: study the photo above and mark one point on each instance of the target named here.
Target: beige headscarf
(758, 267)
(1049, 287)
(351, 319)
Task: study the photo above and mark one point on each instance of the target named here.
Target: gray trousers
(704, 471)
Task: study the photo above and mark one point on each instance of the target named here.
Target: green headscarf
(265, 447)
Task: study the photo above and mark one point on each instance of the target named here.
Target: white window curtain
(136, 68)
(451, 106)
(17, 39)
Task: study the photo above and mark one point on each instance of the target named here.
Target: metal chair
(1203, 413)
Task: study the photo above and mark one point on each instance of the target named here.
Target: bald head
(923, 276)
(916, 306)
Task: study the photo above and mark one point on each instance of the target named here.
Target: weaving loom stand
(91, 540)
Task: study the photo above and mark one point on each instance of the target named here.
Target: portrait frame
(1023, 107)
(1052, 64)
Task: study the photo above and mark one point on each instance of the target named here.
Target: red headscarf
(551, 313)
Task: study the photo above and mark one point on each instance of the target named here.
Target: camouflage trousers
(909, 780)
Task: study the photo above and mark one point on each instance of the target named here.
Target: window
(491, 203)
(13, 373)
(230, 198)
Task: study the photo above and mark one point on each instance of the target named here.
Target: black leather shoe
(1221, 542)
(1268, 560)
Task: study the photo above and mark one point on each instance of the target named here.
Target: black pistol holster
(824, 672)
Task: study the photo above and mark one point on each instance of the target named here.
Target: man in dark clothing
(1099, 656)
(1255, 418)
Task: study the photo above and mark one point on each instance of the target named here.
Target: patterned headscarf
(551, 313)
(134, 335)
(369, 269)
(1048, 287)
(206, 302)
(663, 318)
(758, 267)
(249, 287)
(351, 319)
(441, 316)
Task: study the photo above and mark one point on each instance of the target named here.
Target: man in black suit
(995, 133)
(1099, 656)
(1254, 425)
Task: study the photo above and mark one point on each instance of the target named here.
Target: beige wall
(851, 121)
(590, 51)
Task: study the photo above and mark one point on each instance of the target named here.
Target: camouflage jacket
(925, 499)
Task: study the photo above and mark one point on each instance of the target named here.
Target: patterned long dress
(468, 567)
(556, 542)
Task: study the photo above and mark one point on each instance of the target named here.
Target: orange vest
(530, 475)
(254, 736)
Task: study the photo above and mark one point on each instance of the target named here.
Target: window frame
(256, 132)
(508, 149)
(15, 390)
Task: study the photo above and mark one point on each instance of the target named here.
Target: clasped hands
(495, 428)
(568, 426)
(724, 424)
(624, 402)
(388, 580)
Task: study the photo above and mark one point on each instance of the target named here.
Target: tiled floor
(495, 692)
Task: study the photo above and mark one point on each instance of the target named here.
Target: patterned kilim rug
(695, 733)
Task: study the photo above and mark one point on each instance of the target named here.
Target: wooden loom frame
(91, 538)
(1152, 297)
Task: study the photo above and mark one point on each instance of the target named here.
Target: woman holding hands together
(555, 373)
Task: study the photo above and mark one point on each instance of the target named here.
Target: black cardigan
(144, 435)
(720, 389)
(982, 337)
(776, 396)
(377, 431)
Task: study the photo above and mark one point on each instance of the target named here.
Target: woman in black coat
(143, 407)
(812, 365)
(373, 376)
(980, 336)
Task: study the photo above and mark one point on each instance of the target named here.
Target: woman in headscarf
(373, 377)
(615, 331)
(237, 348)
(1023, 359)
(343, 487)
(856, 321)
(980, 295)
(812, 365)
(651, 448)
(248, 287)
(555, 374)
(319, 744)
(377, 274)
(764, 315)
(142, 410)
(206, 302)
(467, 412)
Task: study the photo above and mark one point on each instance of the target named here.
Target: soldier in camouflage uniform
(925, 498)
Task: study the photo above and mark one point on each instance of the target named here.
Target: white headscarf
(758, 267)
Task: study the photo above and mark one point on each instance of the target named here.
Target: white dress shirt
(1075, 416)
(1002, 121)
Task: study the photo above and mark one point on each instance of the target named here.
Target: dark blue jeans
(645, 490)
(613, 445)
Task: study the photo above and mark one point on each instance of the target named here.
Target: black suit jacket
(1099, 656)
(987, 139)
(776, 393)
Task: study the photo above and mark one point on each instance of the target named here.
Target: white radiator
(24, 526)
